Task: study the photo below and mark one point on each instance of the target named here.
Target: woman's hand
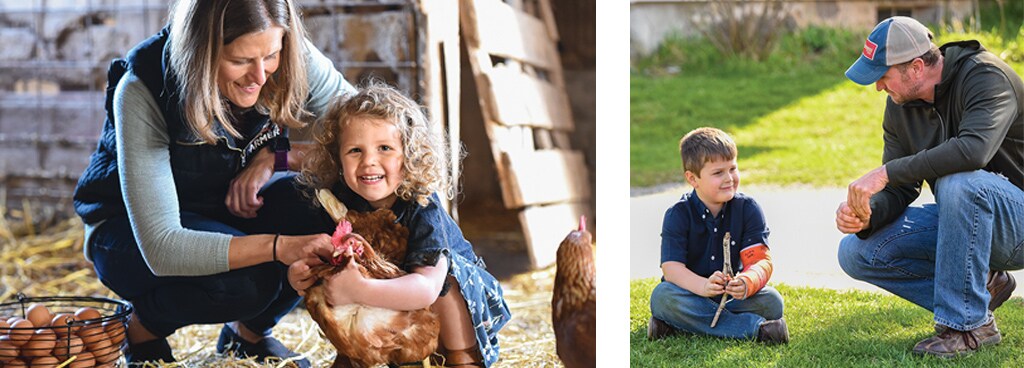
(242, 199)
(343, 287)
(312, 249)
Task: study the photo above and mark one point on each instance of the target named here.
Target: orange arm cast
(757, 268)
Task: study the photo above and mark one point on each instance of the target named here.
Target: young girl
(381, 145)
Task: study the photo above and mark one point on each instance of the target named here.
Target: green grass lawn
(827, 328)
(795, 117)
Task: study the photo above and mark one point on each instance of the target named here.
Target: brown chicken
(574, 300)
(367, 336)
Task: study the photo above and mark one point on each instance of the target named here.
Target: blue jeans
(257, 296)
(690, 312)
(938, 256)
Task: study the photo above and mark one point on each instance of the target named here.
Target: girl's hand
(737, 288)
(343, 287)
(300, 277)
(306, 248)
(715, 284)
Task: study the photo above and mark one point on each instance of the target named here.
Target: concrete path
(803, 236)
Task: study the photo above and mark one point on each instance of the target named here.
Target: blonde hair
(199, 31)
(426, 153)
(701, 145)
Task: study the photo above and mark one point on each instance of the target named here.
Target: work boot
(658, 329)
(773, 332)
(1000, 286)
(950, 343)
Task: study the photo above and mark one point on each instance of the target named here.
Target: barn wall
(54, 55)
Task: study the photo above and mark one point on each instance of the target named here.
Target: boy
(692, 255)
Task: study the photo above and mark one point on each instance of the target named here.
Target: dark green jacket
(976, 122)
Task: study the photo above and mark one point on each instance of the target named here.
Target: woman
(176, 221)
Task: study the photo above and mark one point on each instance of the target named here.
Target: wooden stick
(727, 270)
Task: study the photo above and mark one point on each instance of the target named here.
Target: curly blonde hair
(426, 161)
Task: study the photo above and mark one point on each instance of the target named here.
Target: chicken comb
(344, 228)
(583, 223)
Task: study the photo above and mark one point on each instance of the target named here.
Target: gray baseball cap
(894, 41)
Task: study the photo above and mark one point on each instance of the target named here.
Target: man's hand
(242, 199)
(847, 222)
(715, 284)
(860, 191)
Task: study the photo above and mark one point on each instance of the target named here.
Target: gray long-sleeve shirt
(148, 184)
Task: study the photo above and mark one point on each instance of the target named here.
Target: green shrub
(813, 45)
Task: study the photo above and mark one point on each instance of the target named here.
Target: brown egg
(11, 320)
(66, 347)
(104, 351)
(39, 315)
(115, 331)
(83, 360)
(45, 361)
(41, 344)
(7, 350)
(17, 363)
(60, 324)
(91, 334)
(87, 314)
(5, 328)
(21, 331)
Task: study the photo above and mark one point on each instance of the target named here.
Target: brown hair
(426, 153)
(929, 58)
(199, 31)
(702, 145)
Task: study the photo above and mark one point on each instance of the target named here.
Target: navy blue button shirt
(692, 236)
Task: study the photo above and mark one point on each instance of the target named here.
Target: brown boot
(773, 332)
(658, 329)
(950, 343)
(1000, 286)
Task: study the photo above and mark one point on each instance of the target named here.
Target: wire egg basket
(80, 331)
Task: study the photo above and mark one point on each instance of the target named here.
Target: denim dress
(432, 233)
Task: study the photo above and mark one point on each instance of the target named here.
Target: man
(954, 118)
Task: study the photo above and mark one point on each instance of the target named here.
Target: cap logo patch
(869, 49)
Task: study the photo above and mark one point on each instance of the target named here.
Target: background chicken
(574, 299)
(368, 336)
